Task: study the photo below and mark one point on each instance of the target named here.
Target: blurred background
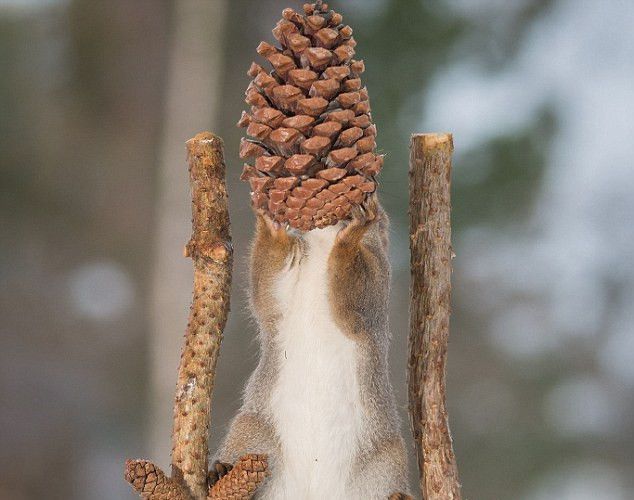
(96, 101)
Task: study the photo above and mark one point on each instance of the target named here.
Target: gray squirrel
(320, 403)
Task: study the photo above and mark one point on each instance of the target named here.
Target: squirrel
(320, 403)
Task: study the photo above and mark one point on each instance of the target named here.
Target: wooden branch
(210, 248)
(212, 254)
(431, 254)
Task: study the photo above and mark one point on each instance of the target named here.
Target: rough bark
(210, 248)
(211, 251)
(431, 254)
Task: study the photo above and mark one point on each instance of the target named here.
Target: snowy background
(96, 100)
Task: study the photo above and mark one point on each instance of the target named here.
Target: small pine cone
(242, 481)
(150, 482)
(311, 139)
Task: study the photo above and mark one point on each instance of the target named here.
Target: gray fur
(362, 271)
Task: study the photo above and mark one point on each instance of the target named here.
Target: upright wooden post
(212, 254)
(431, 254)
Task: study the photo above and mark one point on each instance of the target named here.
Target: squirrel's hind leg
(382, 474)
(249, 433)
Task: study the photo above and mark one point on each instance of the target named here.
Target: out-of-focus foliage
(538, 94)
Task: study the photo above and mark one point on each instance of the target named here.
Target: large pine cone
(310, 128)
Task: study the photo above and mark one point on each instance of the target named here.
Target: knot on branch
(151, 482)
(216, 251)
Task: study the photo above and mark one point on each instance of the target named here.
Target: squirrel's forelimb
(358, 263)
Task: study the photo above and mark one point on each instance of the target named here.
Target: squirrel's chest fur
(315, 401)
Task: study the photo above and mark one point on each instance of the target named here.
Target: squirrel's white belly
(315, 401)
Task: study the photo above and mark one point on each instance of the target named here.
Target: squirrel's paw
(400, 496)
(367, 212)
(274, 227)
(360, 217)
(281, 238)
(276, 230)
(217, 472)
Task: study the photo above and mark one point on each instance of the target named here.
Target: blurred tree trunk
(194, 85)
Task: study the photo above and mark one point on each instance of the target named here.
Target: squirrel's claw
(360, 217)
(367, 211)
(274, 227)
